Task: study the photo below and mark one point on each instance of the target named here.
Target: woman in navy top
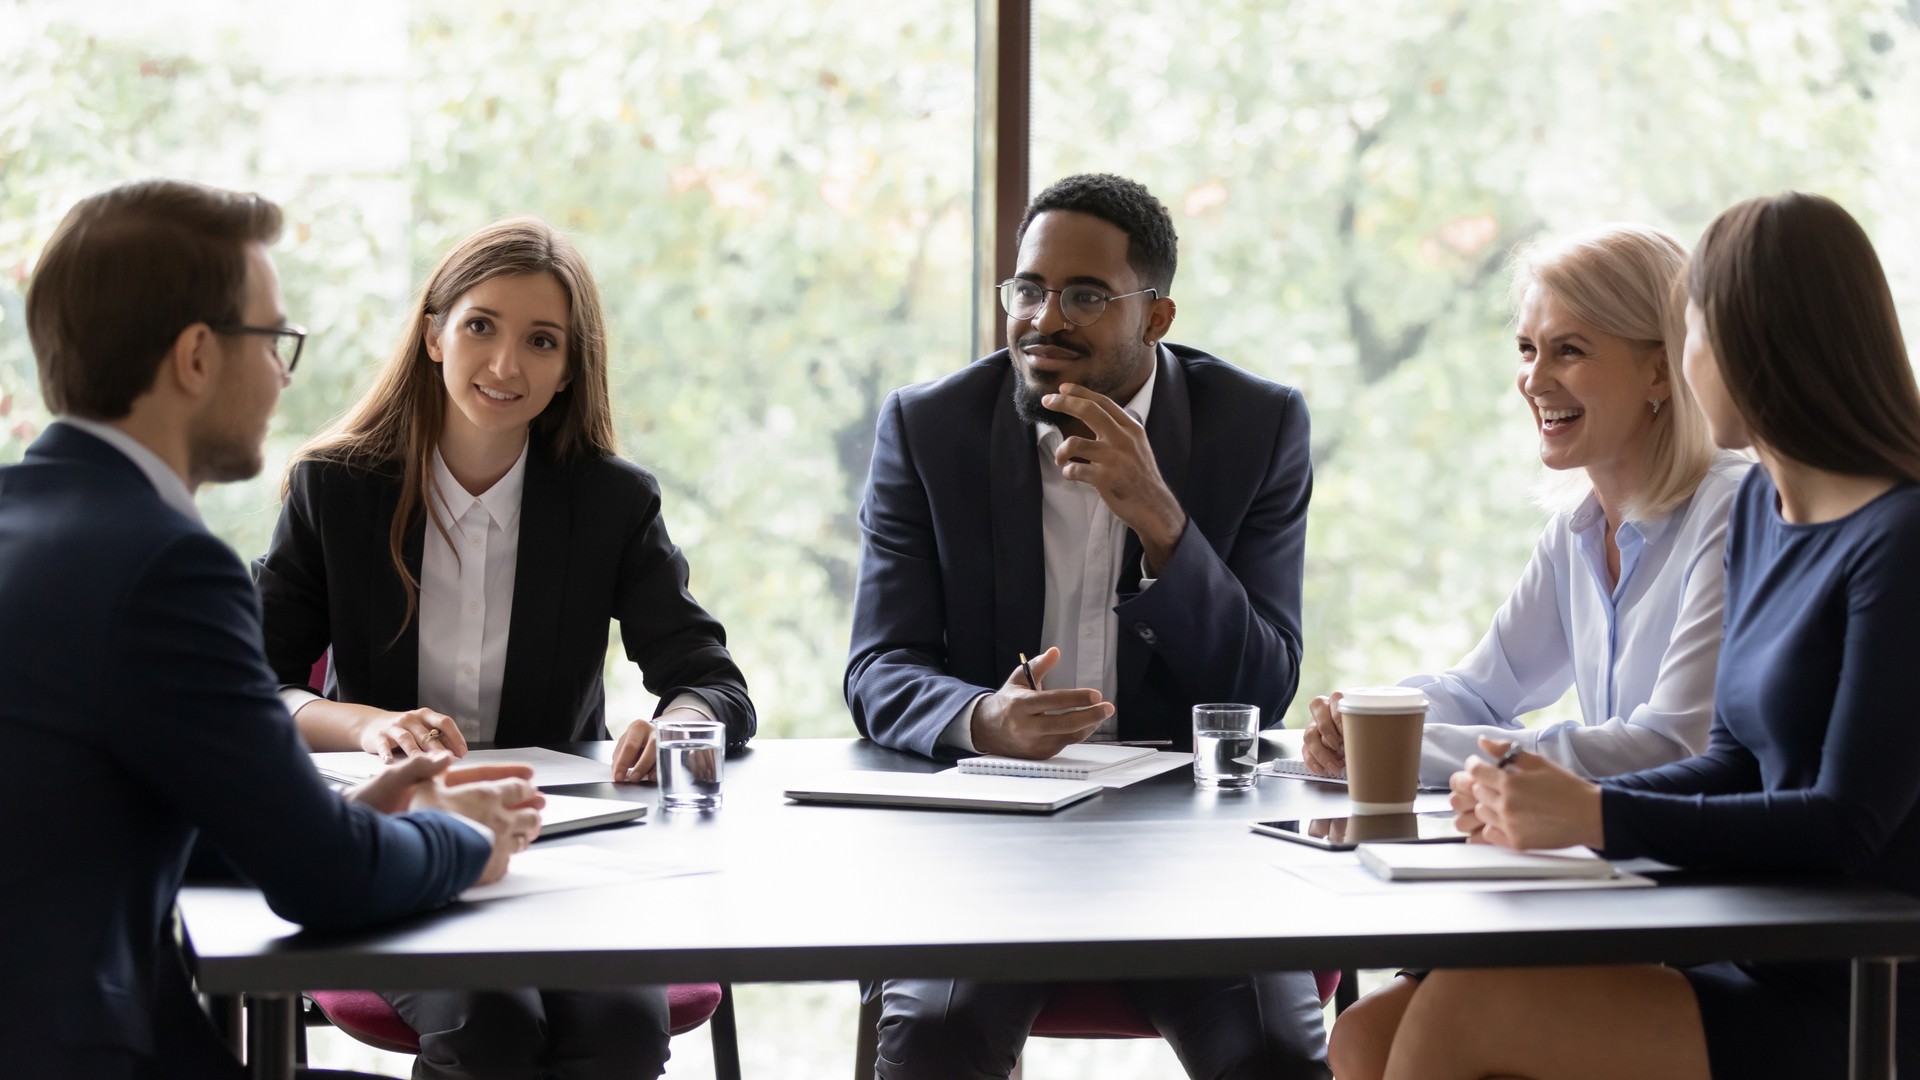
(1812, 765)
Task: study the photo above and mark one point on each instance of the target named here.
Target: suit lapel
(1170, 433)
(395, 663)
(539, 582)
(1019, 570)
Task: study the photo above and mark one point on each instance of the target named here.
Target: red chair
(1081, 1010)
(368, 1017)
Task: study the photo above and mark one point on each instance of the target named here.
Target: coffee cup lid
(1382, 699)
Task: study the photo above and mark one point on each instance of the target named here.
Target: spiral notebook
(1081, 761)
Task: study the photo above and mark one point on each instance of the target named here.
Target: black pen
(1028, 668)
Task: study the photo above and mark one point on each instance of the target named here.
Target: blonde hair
(398, 422)
(1625, 280)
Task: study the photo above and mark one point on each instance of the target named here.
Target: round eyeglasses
(1082, 305)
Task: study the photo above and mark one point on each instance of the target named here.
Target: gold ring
(433, 733)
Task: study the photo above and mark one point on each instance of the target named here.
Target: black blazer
(952, 570)
(139, 711)
(593, 548)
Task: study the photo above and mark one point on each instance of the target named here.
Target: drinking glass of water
(1226, 746)
(692, 755)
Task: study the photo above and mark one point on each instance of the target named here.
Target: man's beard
(227, 447)
(1101, 378)
(223, 457)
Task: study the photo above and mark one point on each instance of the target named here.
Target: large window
(1349, 181)
(775, 199)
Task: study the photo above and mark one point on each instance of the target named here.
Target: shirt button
(473, 608)
(475, 537)
(466, 669)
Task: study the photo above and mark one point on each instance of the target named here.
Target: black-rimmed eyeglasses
(1081, 304)
(288, 340)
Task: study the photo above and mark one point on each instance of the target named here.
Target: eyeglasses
(1081, 304)
(288, 340)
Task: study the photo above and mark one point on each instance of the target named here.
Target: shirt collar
(1140, 405)
(501, 501)
(172, 490)
(1589, 517)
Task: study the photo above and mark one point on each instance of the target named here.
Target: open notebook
(1081, 761)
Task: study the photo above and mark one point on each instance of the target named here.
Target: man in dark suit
(139, 710)
(1137, 510)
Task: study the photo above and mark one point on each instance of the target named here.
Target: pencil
(1028, 668)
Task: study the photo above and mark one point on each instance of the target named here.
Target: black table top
(1150, 881)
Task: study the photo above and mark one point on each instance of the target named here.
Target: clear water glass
(693, 754)
(1226, 746)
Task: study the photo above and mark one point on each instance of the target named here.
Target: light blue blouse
(1640, 656)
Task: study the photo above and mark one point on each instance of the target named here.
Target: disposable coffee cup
(1381, 726)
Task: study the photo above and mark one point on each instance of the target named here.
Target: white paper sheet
(554, 869)
(1122, 775)
(1352, 879)
(551, 768)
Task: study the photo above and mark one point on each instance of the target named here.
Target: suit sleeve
(679, 647)
(292, 581)
(1229, 626)
(897, 684)
(210, 736)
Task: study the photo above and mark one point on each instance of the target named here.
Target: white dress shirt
(1084, 543)
(1641, 655)
(466, 597)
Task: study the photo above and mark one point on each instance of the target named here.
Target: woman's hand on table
(390, 735)
(1324, 748)
(1531, 803)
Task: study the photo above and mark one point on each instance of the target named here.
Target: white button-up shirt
(466, 597)
(1084, 543)
(1640, 654)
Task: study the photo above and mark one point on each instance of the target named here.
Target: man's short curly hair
(1153, 250)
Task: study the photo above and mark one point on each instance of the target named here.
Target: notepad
(1081, 761)
(1479, 862)
(948, 790)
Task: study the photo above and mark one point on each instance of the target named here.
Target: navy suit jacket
(593, 548)
(138, 711)
(952, 572)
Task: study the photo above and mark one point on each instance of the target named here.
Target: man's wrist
(1158, 549)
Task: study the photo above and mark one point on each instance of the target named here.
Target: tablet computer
(1345, 833)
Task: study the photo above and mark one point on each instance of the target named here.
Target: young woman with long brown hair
(1793, 349)
(461, 540)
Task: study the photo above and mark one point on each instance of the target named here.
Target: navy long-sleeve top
(1813, 761)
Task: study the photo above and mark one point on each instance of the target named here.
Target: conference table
(1155, 880)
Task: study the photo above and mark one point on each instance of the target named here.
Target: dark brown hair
(1806, 335)
(398, 422)
(127, 270)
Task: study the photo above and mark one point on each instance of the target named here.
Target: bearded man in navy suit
(1134, 513)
